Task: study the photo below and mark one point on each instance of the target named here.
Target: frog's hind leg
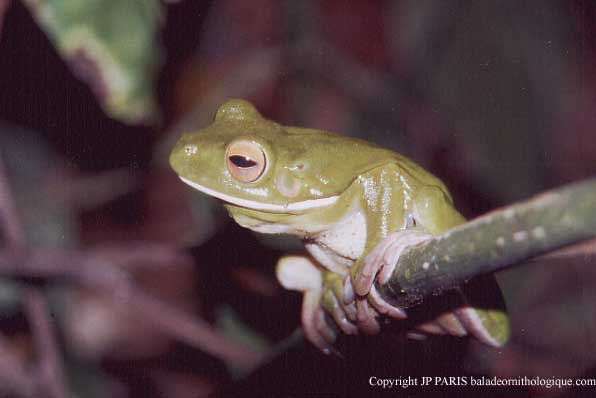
(300, 273)
(483, 313)
(342, 309)
(315, 326)
(446, 323)
(482, 310)
(478, 321)
(473, 309)
(489, 326)
(451, 324)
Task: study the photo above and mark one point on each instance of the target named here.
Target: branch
(103, 269)
(10, 224)
(494, 241)
(48, 352)
(50, 364)
(92, 269)
(192, 330)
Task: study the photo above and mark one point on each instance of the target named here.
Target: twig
(95, 269)
(11, 227)
(50, 366)
(192, 330)
(494, 241)
(91, 270)
(140, 255)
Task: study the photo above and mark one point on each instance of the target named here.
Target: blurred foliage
(232, 325)
(31, 162)
(111, 45)
(48, 222)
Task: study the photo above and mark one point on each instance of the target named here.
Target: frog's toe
(364, 276)
(382, 259)
(349, 295)
(324, 329)
(431, 327)
(341, 288)
(332, 305)
(351, 311)
(451, 324)
(349, 299)
(397, 242)
(446, 323)
(416, 336)
(491, 327)
(367, 317)
(313, 322)
(337, 284)
(383, 307)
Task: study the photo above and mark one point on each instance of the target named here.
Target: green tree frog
(355, 206)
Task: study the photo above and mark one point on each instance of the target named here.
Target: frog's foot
(416, 336)
(316, 329)
(383, 307)
(491, 327)
(369, 307)
(446, 323)
(300, 274)
(350, 310)
(382, 259)
(340, 301)
(334, 302)
(367, 317)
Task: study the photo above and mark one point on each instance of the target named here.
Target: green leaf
(109, 44)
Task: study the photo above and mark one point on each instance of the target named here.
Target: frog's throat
(251, 204)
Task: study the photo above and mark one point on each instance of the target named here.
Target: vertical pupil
(242, 161)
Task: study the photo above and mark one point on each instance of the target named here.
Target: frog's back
(420, 175)
(362, 156)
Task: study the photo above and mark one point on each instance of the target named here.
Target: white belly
(338, 247)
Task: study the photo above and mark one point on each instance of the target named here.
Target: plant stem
(494, 241)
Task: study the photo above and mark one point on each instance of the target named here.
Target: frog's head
(251, 162)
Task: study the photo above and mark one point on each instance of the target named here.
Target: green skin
(313, 183)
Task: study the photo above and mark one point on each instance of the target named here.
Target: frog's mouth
(251, 204)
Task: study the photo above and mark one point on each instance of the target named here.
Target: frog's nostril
(190, 149)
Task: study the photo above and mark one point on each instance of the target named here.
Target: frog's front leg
(322, 291)
(386, 201)
(379, 264)
(429, 212)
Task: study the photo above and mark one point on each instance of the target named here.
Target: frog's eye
(246, 161)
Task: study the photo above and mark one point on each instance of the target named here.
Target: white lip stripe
(296, 206)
